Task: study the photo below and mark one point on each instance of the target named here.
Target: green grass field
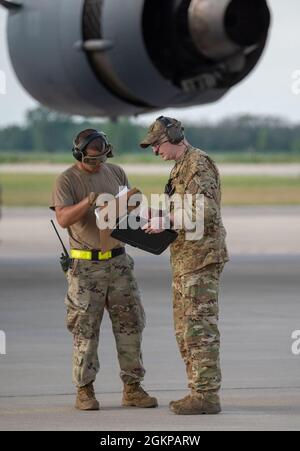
(147, 157)
(34, 189)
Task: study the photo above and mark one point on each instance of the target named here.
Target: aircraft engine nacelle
(126, 57)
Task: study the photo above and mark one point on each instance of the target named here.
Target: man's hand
(92, 199)
(155, 225)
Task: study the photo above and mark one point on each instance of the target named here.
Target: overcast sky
(268, 89)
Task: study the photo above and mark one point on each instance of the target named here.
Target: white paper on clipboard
(123, 190)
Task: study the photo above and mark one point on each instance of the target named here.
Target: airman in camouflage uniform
(196, 267)
(98, 282)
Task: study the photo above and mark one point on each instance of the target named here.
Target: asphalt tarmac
(259, 310)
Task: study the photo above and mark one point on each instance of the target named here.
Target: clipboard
(154, 243)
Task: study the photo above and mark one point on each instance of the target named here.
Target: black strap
(114, 253)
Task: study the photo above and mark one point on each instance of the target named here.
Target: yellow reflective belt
(87, 255)
(83, 255)
(105, 255)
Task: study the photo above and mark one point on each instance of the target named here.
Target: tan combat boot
(86, 398)
(135, 396)
(197, 404)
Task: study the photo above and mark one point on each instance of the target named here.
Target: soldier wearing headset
(196, 265)
(95, 280)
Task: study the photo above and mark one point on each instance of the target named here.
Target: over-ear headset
(174, 132)
(79, 150)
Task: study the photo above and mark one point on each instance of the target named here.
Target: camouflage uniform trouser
(195, 304)
(94, 286)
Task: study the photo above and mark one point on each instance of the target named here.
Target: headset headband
(86, 141)
(79, 150)
(165, 121)
(174, 132)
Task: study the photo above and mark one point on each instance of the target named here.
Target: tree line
(48, 131)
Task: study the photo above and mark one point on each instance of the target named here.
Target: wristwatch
(92, 199)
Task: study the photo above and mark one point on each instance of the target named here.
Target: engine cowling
(127, 57)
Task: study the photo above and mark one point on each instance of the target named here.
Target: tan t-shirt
(75, 184)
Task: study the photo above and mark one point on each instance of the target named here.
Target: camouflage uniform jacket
(196, 173)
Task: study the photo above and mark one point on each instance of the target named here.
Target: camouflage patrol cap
(157, 131)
